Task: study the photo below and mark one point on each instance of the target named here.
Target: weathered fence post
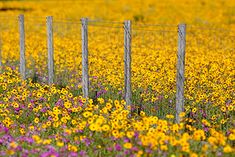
(50, 48)
(22, 47)
(85, 76)
(127, 61)
(180, 71)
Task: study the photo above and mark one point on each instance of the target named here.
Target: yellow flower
(22, 131)
(130, 134)
(227, 149)
(142, 113)
(87, 114)
(84, 100)
(68, 131)
(13, 144)
(115, 133)
(46, 142)
(93, 127)
(36, 120)
(105, 128)
(199, 135)
(164, 147)
(82, 137)
(223, 109)
(67, 105)
(230, 107)
(193, 155)
(182, 114)
(139, 153)
(10, 152)
(232, 136)
(60, 143)
(223, 121)
(194, 110)
(127, 145)
(48, 123)
(72, 148)
(169, 116)
(63, 120)
(36, 138)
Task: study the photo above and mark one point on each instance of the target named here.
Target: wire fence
(119, 58)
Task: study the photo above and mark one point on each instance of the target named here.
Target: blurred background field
(210, 54)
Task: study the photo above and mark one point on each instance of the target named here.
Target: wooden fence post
(50, 47)
(22, 47)
(180, 71)
(127, 61)
(85, 75)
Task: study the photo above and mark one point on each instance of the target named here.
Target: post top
(127, 21)
(21, 16)
(49, 17)
(182, 25)
(84, 19)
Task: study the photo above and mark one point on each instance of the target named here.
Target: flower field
(41, 120)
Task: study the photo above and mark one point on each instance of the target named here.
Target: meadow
(41, 120)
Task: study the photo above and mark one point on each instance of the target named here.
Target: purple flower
(51, 148)
(139, 143)
(134, 149)
(206, 129)
(2, 153)
(73, 154)
(6, 130)
(1, 141)
(29, 140)
(17, 109)
(45, 154)
(126, 140)
(118, 147)
(126, 152)
(109, 149)
(228, 133)
(149, 151)
(19, 148)
(87, 141)
(219, 154)
(82, 153)
(44, 109)
(136, 135)
(49, 153)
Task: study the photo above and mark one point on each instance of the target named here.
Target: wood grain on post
(50, 48)
(85, 76)
(180, 71)
(127, 61)
(22, 47)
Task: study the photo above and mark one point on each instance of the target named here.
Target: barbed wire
(154, 25)
(100, 21)
(104, 21)
(152, 30)
(67, 23)
(207, 28)
(104, 26)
